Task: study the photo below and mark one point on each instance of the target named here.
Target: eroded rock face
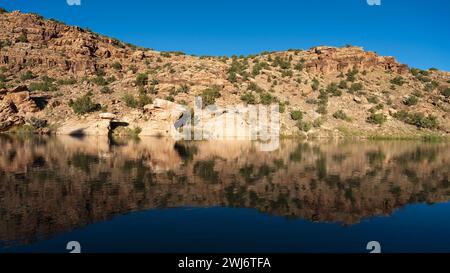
(14, 108)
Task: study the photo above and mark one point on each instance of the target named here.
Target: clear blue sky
(417, 32)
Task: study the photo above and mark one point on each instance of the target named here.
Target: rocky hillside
(57, 78)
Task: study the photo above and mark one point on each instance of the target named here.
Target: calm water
(157, 195)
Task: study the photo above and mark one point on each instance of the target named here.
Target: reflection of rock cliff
(50, 185)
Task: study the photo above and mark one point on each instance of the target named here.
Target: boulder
(109, 116)
(85, 128)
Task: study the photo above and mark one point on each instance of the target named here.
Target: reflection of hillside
(51, 185)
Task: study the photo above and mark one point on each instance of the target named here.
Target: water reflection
(53, 185)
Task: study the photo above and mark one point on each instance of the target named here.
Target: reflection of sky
(416, 228)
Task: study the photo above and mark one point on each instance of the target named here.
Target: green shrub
(333, 89)
(69, 81)
(355, 87)
(304, 126)
(2, 78)
(446, 92)
(373, 100)
(296, 115)
(318, 122)
(315, 84)
(117, 66)
(22, 39)
(254, 87)
(377, 119)
(45, 85)
(248, 98)
(343, 84)
(322, 109)
(411, 100)
(418, 119)
(286, 73)
(27, 76)
(130, 101)
(99, 80)
(84, 105)
(431, 86)
(105, 90)
(165, 54)
(266, 98)
(341, 115)
(351, 75)
(210, 95)
(398, 81)
(141, 79)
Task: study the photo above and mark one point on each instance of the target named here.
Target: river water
(158, 195)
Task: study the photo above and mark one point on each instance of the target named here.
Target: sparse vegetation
(27, 76)
(117, 66)
(355, 87)
(266, 98)
(411, 100)
(84, 105)
(446, 92)
(141, 79)
(45, 85)
(377, 118)
(296, 115)
(341, 115)
(210, 95)
(399, 80)
(315, 84)
(248, 98)
(418, 119)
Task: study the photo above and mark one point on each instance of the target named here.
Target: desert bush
(69, 81)
(377, 118)
(45, 85)
(266, 98)
(351, 74)
(355, 87)
(418, 119)
(248, 98)
(117, 66)
(99, 80)
(333, 89)
(341, 115)
(130, 101)
(315, 84)
(399, 80)
(210, 95)
(22, 39)
(304, 126)
(411, 100)
(141, 79)
(254, 87)
(296, 115)
(27, 76)
(165, 54)
(105, 90)
(446, 92)
(84, 105)
(343, 84)
(373, 99)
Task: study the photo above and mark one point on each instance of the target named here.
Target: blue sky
(417, 32)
